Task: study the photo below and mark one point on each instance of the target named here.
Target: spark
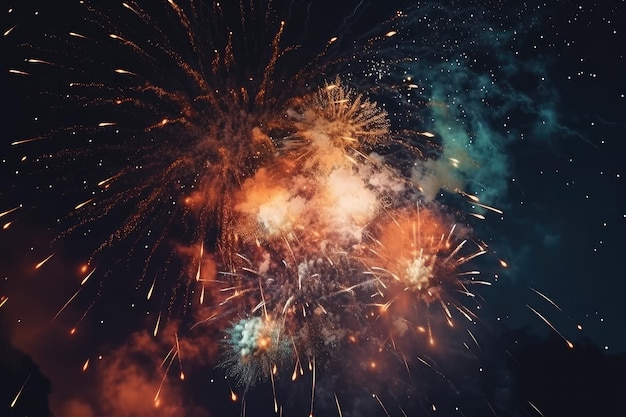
(18, 72)
(83, 204)
(471, 197)
(535, 408)
(66, 304)
(337, 403)
(17, 396)
(381, 405)
(489, 208)
(21, 142)
(3, 300)
(156, 326)
(124, 72)
(545, 320)
(4, 213)
(9, 30)
(313, 375)
(77, 35)
(545, 297)
(38, 61)
(107, 180)
(473, 338)
(180, 361)
(149, 295)
(85, 365)
(40, 264)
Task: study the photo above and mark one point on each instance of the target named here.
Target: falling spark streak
(156, 326)
(338, 407)
(151, 288)
(263, 300)
(492, 410)
(462, 311)
(313, 388)
(474, 339)
(545, 297)
(569, 344)
(169, 353)
(67, 303)
(105, 124)
(489, 208)
(158, 393)
(3, 300)
(125, 72)
(18, 72)
(381, 404)
(207, 320)
(478, 216)
(38, 61)
(456, 250)
(85, 365)
(9, 30)
(487, 283)
(460, 274)
(469, 196)
(390, 33)
(180, 361)
(40, 264)
(17, 396)
(126, 5)
(6, 225)
(20, 142)
(105, 181)
(199, 267)
(4, 213)
(466, 259)
(535, 408)
(274, 392)
(78, 35)
(83, 204)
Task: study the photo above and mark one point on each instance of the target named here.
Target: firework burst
(284, 205)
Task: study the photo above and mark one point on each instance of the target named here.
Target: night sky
(556, 107)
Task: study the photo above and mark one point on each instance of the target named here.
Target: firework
(287, 206)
